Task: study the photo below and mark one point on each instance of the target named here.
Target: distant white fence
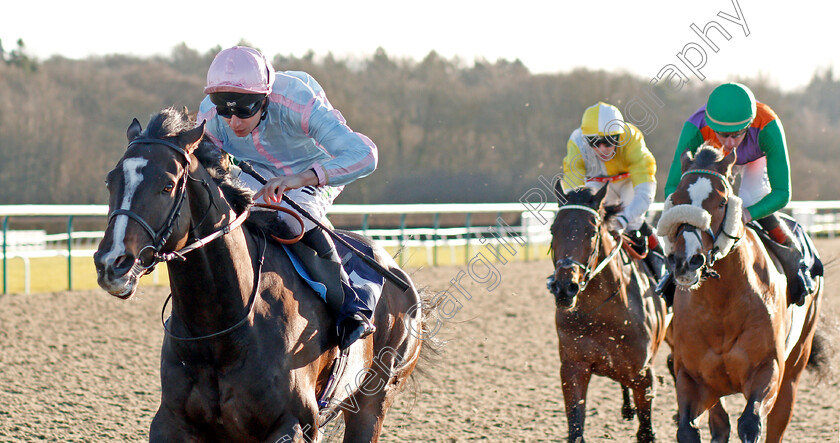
(532, 230)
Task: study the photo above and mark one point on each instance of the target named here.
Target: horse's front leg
(299, 423)
(692, 400)
(627, 411)
(760, 391)
(575, 378)
(167, 427)
(643, 399)
(287, 430)
(719, 423)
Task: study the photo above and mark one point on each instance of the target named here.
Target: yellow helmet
(602, 120)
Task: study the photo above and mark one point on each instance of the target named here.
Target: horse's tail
(432, 345)
(823, 350)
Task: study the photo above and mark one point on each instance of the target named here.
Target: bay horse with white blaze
(609, 321)
(247, 349)
(733, 331)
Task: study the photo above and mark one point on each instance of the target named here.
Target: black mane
(169, 123)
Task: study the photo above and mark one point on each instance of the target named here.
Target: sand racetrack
(83, 366)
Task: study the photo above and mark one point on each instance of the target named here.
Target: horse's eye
(168, 188)
(724, 202)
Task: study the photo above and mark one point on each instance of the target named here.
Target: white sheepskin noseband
(675, 215)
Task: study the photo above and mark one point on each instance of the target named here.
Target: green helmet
(731, 108)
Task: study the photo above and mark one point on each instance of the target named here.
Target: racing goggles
(240, 105)
(732, 134)
(610, 140)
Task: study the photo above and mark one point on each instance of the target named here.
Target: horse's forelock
(171, 122)
(706, 156)
(168, 123)
(580, 196)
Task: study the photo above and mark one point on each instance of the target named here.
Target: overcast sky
(785, 42)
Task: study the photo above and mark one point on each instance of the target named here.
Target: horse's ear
(728, 162)
(599, 196)
(134, 130)
(558, 192)
(685, 160)
(189, 139)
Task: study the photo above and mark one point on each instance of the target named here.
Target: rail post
(70, 252)
(5, 239)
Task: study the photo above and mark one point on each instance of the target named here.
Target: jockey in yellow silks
(606, 149)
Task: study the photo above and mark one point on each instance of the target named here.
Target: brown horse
(248, 348)
(733, 331)
(609, 321)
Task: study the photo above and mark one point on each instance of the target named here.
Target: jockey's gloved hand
(618, 224)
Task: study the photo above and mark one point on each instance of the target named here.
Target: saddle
(365, 282)
(801, 239)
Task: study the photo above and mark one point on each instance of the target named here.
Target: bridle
(715, 253)
(147, 262)
(589, 272)
(161, 236)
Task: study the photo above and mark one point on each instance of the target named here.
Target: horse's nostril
(696, 261)
(122, 264)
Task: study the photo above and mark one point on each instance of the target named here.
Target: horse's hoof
(690, 435)
(627, 413)
(646, 436)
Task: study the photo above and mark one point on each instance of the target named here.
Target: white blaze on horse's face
(698, 191)
(133, 178)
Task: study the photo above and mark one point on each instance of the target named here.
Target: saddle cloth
(800, 238)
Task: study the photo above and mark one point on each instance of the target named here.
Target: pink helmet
(240, 69)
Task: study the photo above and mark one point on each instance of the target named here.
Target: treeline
(446, 131)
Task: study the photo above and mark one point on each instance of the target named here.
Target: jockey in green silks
(732, 119)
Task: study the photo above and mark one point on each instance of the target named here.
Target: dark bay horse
(248, 347)
(609, 321)
(733, 331)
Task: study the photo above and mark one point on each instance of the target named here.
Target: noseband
(588, 271)
(716, 252)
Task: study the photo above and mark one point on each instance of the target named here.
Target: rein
(251, 303)
(370, 261)
(179, 254)
(588, 272)
(160, 238)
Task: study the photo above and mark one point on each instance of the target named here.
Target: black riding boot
(666, 288)
(351, 323)
(799, 281)
(655, 260)
(665, 285)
